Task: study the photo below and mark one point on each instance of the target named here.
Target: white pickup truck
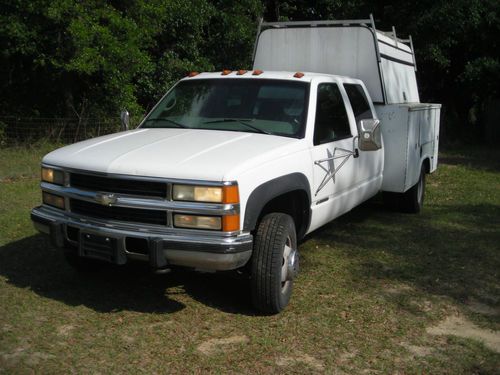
(231, 168)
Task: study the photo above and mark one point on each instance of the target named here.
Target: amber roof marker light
(298, 75)
(257, 72)
(225, 72)
(241, 72)
(193, 74)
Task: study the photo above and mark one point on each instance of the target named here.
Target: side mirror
(125, 117)
(370, 138)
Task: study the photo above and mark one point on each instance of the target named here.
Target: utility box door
(411, 135)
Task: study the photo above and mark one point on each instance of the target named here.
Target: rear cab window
(359, 102)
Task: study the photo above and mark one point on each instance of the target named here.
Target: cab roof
(283, 75)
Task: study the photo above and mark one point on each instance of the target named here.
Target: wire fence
(30, 130)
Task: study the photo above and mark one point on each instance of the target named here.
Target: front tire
(274, 263)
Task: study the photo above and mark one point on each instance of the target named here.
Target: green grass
(372, 283)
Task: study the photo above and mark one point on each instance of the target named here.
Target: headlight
(198, 222)
(53, 200)
(53, 176)
(210, 194)
(228, 223)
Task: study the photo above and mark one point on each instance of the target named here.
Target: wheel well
(427, 165)
(294, 203)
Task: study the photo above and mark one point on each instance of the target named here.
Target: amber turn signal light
(230, 223)
(230, 194)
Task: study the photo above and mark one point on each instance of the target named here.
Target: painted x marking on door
(330, 169)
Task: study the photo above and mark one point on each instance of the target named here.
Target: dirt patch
(128, 339)
(159, 325)
(459, 326)
(65, 330)
(483, 309)
(397, 289)
(423, 305)
(417, 351)
(347, 356)
(213, 346)
(25, 355)
(6, 328)
(301, 358)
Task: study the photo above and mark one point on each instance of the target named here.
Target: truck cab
(231, 168)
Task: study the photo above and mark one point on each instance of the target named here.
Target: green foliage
(92, 58)
(70, 58)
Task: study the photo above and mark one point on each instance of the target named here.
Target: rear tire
(413, 200)
(274, 263)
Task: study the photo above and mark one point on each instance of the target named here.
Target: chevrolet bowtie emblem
(105, 199)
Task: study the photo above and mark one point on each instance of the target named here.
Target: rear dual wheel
(411, 201)
(275, 263)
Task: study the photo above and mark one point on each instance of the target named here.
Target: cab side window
(359, 103)
(331, 122)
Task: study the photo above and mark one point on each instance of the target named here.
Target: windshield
(246, 105)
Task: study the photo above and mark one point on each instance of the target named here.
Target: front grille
(118, 213)
(118, 185)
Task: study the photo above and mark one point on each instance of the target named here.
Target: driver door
(335, 167)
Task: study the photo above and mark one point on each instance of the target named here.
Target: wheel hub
(290, 266)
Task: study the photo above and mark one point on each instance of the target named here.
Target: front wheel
(275, 263)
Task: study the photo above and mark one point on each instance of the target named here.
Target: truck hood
(174, 153)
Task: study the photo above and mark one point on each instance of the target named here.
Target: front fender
(269, 190)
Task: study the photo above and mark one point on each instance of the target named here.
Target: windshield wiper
(179, 125)
(240, 121)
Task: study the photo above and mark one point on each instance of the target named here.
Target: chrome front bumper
(165, 246)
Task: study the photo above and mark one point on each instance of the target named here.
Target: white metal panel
(174, 153)
(410, 133)
(413, 164)
(398, 71)
(428, 117)
(346, 51)
(390, 41)
(400, 82)
(394, 124)
(435, 153)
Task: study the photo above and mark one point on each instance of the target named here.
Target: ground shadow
(33, 263)
(472, 157)
(447, 250)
